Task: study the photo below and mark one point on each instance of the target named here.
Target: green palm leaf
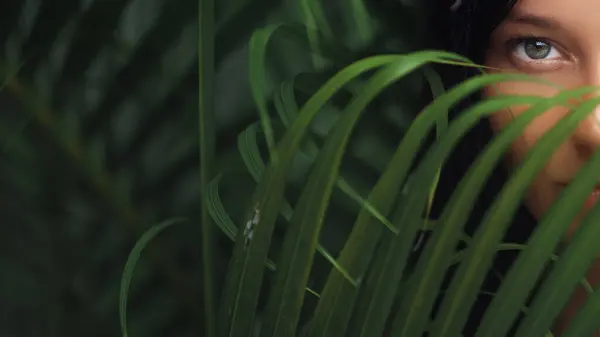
(472, 271)
(585, 321)
(301, 240)
(388, 270)
(249, 256)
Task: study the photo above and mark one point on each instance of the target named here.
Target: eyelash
(514, 42)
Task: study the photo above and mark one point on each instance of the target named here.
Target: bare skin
(559, 41)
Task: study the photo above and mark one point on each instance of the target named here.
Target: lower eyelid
(535, 66)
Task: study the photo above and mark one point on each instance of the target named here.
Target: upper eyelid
(516, 40)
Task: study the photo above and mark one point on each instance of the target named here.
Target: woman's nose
(587, 134)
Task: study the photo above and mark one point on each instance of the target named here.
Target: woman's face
(559, 41)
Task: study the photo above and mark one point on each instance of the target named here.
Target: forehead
(584, 11)
(574, 20)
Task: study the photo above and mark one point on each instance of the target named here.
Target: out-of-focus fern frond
(99, 139)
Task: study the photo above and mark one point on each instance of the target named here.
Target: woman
(557, 40)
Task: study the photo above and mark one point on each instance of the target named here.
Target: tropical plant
(109, 106)
(373, 270)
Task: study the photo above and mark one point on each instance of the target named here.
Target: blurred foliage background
(99, 141)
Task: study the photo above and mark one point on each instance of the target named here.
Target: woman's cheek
(522, 144)
(543, 190)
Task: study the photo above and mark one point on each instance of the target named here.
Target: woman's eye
(535, 50)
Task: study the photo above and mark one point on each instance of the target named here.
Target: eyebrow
(534, 20)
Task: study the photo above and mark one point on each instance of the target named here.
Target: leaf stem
(206, 75)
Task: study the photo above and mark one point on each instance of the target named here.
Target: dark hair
(471, 23)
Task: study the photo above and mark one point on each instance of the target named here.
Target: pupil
(537, 49)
